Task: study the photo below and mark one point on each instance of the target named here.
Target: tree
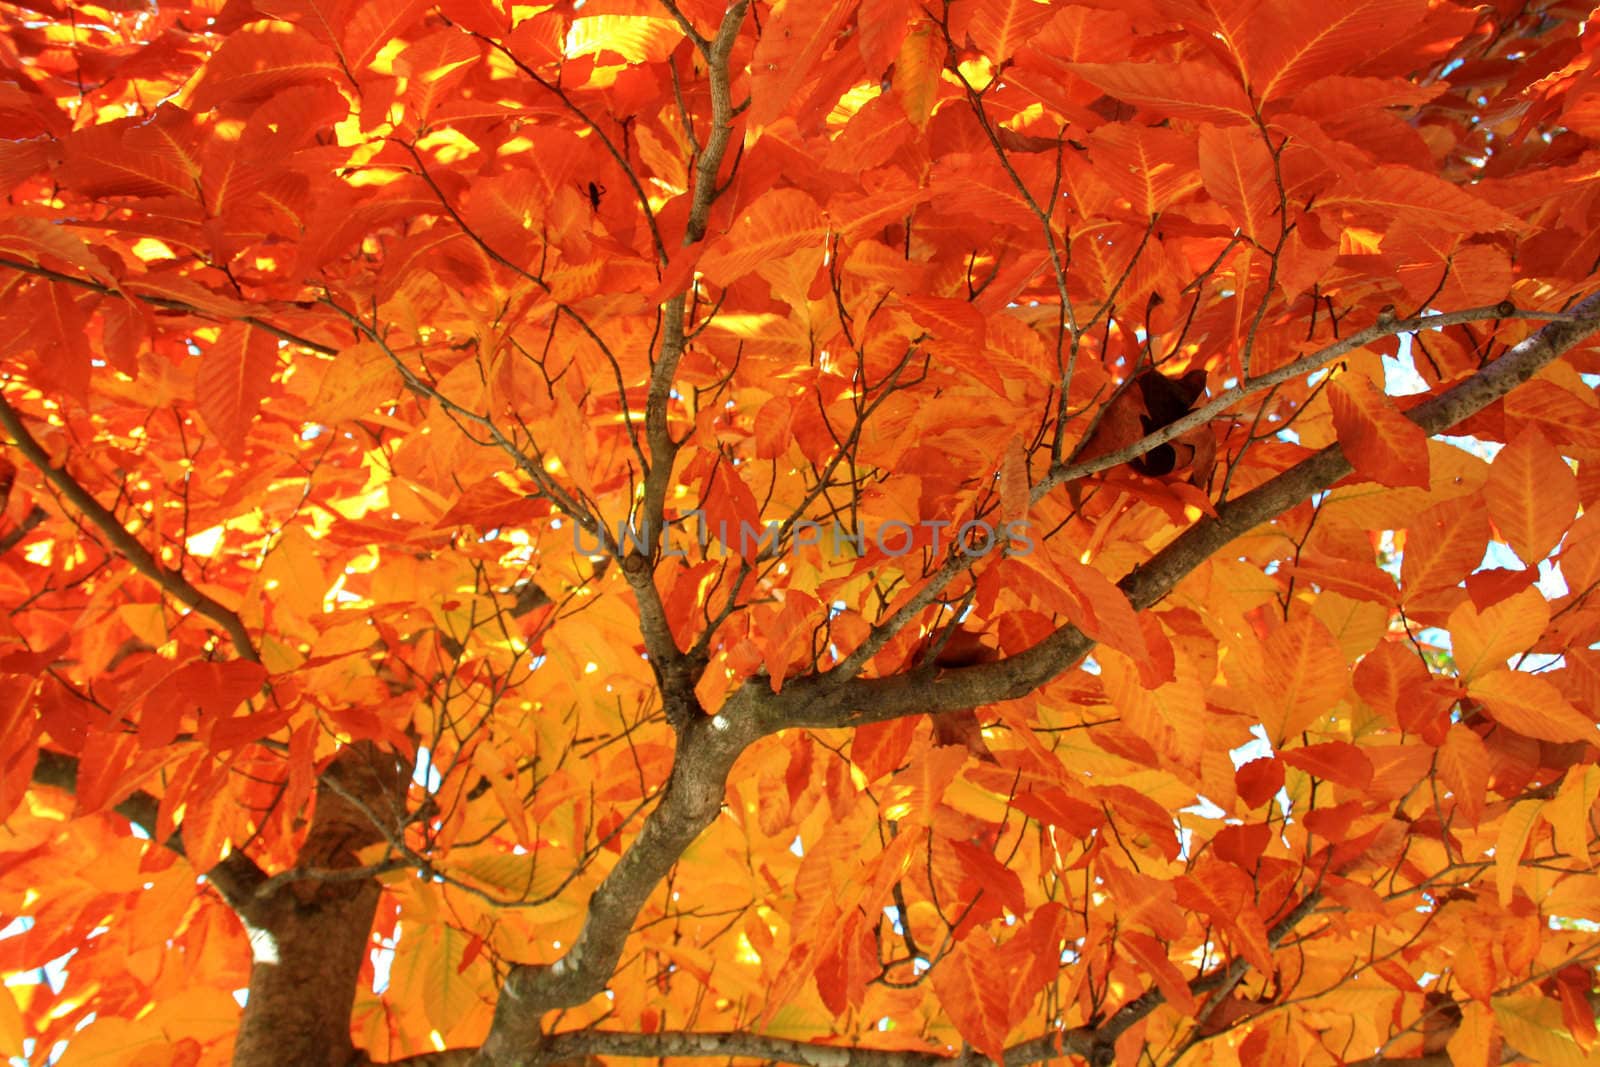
(845, 532)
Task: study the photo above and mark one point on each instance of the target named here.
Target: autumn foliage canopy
(819, 531)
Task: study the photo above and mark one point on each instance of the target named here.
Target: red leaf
(1259, 780)
(1464, 768)
(1013, 482)
(1339, 762)
(988, 875)
(1144, 813)
(1034, 955)
(1242, 845)
(210, 690)
(234, 373)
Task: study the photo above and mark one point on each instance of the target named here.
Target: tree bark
(309, 937)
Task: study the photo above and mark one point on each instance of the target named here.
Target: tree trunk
(303, 980)
(309, 935)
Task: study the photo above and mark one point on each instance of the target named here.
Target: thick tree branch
(707, 749)
(30, 521)
(450, 1057)
(689, 1044)
(1062, 473)
(120, 539)
(823, 701)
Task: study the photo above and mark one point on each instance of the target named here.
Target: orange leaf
(261, 59)
(371, 25)
(1236, 168)
(1097, 607)
(1464, 767)
(918, 71)
(1532, 495)
(948, 319)
(1306, 675)
(1580, 553)
(1394, 191)
(1444, 544)
(1473, 1044)
(1151, 956)
(1482, 641)
(1382, 445)
(913, 794)
(796, 37)
(1568, 813)
(1151, 168)
(974, 992)
(1302, 43)
(500, 774)
(1013, 481)
(1509, 845)
(781, 222)
(877, 748)
(1194, 90)
(1001, 27)
(1532, 707)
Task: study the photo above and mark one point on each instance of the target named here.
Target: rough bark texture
(303, 980)
(309, 937)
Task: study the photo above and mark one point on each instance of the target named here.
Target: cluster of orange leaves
(272, 270)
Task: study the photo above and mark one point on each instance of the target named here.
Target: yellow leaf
(1568, 813)
(427, 972)
(1472, 1044)
(360, 378)
(635, 38)
(147, 621)
(294, 567)
(1483, 641)
(12, 1027)
(111, 1042)
(1532, 1025)
(1514, 831)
